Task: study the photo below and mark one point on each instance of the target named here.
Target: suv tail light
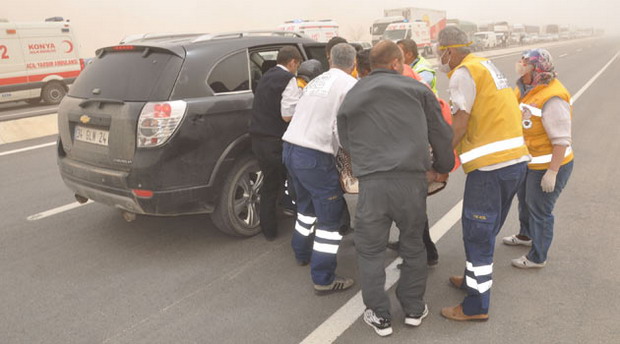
(82, 65)
(158, 121)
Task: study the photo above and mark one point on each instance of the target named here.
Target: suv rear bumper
(110, 187)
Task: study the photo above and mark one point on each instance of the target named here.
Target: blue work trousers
(320, 207)
(536, 210)
(487, 200)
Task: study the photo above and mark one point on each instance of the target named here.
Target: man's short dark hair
(288, 53)
(335, 40)
(383, 53)
(363, 61)
(409, 45)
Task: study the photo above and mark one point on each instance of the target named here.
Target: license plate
(90, 135)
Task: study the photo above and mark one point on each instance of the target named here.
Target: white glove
(548, 181)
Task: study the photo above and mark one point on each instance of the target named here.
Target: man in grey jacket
(386, 123)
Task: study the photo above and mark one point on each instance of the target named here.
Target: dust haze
(99, 23)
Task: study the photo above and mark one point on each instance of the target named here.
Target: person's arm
(290, 97)
(342, 127)
(427, 77)
(439, 133)
(557, 123)
(462, 94)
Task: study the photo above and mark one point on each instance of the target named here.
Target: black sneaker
(416, 320)
(382, 326)
(339, 284)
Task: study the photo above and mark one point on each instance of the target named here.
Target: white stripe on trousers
(325, 248)
(479, 270)
(481, 288)
(323, 234)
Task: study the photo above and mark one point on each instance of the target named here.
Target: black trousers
(268, 151)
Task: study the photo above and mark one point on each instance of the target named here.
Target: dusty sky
(105, 22)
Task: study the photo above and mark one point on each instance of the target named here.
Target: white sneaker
(382, 326)
(524, 263)
(412, 320)
(513, 240)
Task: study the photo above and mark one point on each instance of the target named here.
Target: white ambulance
(37, 61)
(416, 30)
(318, 30)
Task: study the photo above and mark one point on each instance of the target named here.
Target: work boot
(339, 284)
(456, 313)
(457, 281)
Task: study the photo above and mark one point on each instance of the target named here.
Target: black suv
(159, 125)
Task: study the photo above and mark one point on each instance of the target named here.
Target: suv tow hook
(129, 217)
(81, 199)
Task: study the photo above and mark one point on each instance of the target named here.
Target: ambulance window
(230, 74)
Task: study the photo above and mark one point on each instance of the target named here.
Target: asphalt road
(16, 110)
(87, 276)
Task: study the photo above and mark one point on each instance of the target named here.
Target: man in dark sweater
(386, 123)
(275, 98)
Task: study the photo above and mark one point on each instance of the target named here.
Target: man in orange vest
(489, 140)
(545, 103)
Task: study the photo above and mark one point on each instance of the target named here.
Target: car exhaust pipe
(129, 217)
(81, 199)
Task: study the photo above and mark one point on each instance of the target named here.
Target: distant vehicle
(418, 31)
(379, 26)
(363, 45)
(551, 29)
(38, 61)
(318, 30)
(159, 126)
(486, 39)
(436, 19)
(530, 39)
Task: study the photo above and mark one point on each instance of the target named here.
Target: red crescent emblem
(70, 46)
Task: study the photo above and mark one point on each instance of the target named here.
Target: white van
(37, 61)
(486, 39)
(318, 30)
(417, 30)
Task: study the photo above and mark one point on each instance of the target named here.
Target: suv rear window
(129, 76)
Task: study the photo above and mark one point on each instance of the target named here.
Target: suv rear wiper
(101, 101)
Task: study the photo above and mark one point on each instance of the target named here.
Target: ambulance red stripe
(37, 77)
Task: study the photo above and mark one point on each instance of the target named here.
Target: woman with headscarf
(547, 111)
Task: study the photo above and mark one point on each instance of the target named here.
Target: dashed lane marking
(55, 211)
(27, 148)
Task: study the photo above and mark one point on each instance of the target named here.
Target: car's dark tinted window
(129, 76)
(318, 53)
(231, 74)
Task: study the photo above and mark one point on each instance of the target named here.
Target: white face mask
(444, 68)
(522, 70)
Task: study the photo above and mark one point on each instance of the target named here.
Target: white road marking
(27, 148)
(564, 55)
(593, 79)
(344, 317)
(55, 211)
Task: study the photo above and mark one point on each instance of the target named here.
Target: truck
(435, 19)
(318, 30)
(417, 30)
(38, 60)
(378, 27)
(468, 27)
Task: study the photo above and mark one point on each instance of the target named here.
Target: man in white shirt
(310, 145)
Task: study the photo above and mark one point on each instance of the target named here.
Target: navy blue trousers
(486, 202)
(320, 207)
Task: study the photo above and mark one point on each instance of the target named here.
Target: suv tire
(53, 93)
(237, 212)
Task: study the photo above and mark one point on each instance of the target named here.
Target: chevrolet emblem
(84, 119)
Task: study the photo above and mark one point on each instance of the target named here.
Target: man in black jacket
(275, 98)
(386, 123)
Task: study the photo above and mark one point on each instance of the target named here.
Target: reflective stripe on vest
(491, 148)
(544, 159)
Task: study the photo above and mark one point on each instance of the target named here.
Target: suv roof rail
(241, 34)
(152, 36)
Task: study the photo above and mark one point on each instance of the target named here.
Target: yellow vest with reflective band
(424, 66)
(536, 138)
(494, 132)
